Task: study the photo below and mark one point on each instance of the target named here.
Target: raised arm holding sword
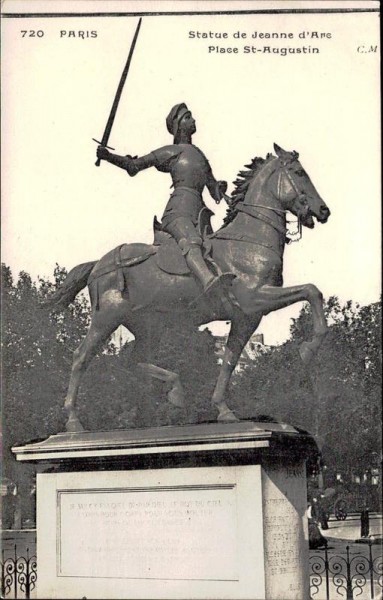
(190, 172)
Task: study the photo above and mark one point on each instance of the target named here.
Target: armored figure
(190, 172)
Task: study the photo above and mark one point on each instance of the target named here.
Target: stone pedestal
(203, 511)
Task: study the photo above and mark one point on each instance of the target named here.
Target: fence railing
(18, 575)
(334, 576)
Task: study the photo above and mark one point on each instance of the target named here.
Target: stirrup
(217, 289)
(219, 281)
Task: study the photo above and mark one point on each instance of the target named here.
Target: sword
(117, 97)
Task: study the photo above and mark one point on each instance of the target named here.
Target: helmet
(175, 116)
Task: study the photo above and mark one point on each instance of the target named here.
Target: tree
(36, 354)
(337, 397)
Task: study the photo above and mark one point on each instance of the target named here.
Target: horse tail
(74, 282)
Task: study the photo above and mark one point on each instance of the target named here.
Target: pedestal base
(209, 511)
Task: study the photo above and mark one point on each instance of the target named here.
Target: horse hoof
(177, 398)
(73, 425)
(227, 416)
(306, 353)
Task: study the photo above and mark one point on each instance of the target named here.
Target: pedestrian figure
(316, 539)
(323, 518)
(364, 522)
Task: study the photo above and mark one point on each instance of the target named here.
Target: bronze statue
(190, 172)
(147, 287)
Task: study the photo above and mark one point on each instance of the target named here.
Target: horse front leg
(308, 350)
(269, 298)
(240, 332)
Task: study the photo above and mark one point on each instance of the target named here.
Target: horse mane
(242, 185)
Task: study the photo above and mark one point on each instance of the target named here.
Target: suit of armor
(191, 173)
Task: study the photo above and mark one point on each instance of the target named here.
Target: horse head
(274, 186)
(292, 187)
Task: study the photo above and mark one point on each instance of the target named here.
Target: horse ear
(280, 152)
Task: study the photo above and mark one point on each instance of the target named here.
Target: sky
(58, 88)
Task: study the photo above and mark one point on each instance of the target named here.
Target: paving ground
(340, 535)
(349, 529)
(24, 539)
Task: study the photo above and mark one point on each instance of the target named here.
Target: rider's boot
(213, 285)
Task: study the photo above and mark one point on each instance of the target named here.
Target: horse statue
(148, 288)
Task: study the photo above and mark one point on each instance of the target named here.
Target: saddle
(169, 257)
(166, 252)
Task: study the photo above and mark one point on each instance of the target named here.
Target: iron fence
(18, 575)
(333, 576)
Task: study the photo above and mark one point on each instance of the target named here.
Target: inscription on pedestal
(173, 533)
(285, 546)
(283, 556)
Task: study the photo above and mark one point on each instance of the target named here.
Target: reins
(299, 195)
(251, 209)
(258, 215)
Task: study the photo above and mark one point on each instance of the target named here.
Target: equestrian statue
(190, 272)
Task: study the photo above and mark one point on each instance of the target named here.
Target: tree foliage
(337, 397)
(36, 358)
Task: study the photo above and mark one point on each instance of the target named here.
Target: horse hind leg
(146, 342)
(99, 331)
(175, 393)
